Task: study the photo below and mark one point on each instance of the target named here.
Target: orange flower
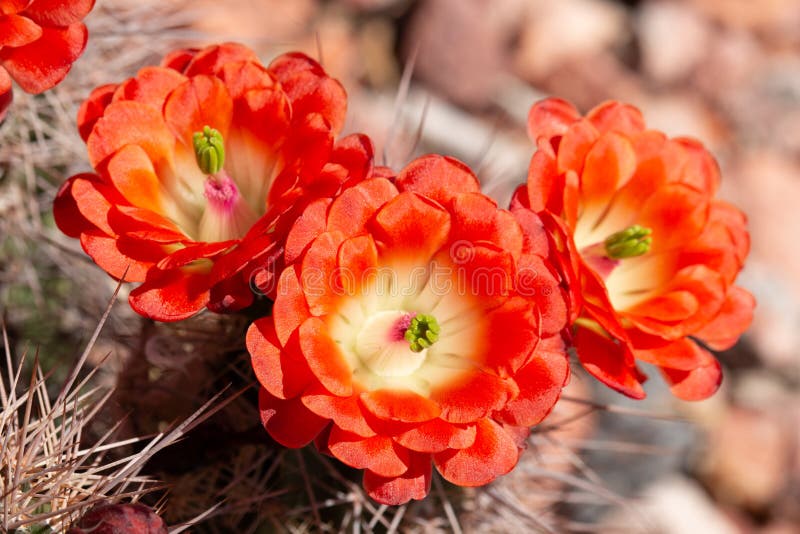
(202, 165)
(39, 41)
(415, 324)
(651, 254)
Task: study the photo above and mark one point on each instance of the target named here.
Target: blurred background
(458, 77)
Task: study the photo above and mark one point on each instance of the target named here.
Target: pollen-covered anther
(209, 149)
(629, 243)
(422, 332)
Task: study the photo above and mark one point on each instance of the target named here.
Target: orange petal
(494, 453)
(282, 371)
(325, 358)
(151, 86)
(616, 117)
(345, 412)
(132, 173)
(200, 101)
(733, 319)
(610, 163)
(379, 454)
(319, 276)
(93, 108)
(476, 218)
(400, 406)
(437, 435)
(576, 143)
(412, 226)
(357, 263)
(113, 131)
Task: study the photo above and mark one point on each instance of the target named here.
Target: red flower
(416, 323)
(39, 41)
(202, 165)
(651, 254)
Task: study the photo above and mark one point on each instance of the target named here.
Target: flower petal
(325, 358)
(494, 453)
(610, 361)
(379, 454)
(437, 177)
(289, 422)
(415, 483)
(281, 370)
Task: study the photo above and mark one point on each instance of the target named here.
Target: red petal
(290, 309)
(545, 186)
(212, 59)
(310, 89)
(413, 484)
(306, 228)
(289, 422)
(494, 453)
(437, 177)
(550, 117)
(6, 94)
(698, 383)
(472, 397)
(379, 454)
(151, 86)
(324, 357)
(412, 226)
(513, 332)
(282, 371)
(540, 383)
(170, 295)
(609, 361)
(93, 108)
(351, 210)
(576, 143)
(118, 255)
(42, 64)
(476, 218)
(58, 12)
(67, 216)
(16, 30)
(437, 435)
(399, 406)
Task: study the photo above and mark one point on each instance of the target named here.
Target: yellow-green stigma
(422, 332)
(209, 149)
(629, 243)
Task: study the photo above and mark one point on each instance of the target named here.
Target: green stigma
(422, 332)
(629, 243)
(209, 149)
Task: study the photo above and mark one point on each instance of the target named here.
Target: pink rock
(119, 519)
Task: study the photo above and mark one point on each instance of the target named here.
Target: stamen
(629, 243)
(209, 150)
(422, 332)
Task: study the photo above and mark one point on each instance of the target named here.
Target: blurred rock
(683, 114)
(729, 62)
(775, 20)
(678, 505)
(463, 46)
(748, 459)
(564, 31)
(673, 39)
(255, 21)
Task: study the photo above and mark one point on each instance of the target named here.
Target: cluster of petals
(334, 364)
(39, 41)
(195, 237)
(593, 177)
